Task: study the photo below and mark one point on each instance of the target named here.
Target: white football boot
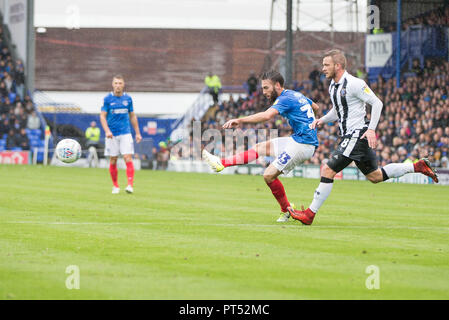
(213, 161)
(285, 215)
(129, 189)
(115, 190)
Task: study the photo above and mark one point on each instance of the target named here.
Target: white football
(68, 150)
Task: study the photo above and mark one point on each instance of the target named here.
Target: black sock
(384, 174)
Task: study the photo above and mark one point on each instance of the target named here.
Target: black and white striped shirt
(348, 98)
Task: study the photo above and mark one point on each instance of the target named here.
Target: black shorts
(352, 148)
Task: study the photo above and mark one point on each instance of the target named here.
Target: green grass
(207, 236)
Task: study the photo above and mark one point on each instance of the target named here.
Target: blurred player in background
(349, 95)
(116, 114)
(288, 151)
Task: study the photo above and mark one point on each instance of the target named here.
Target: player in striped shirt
(349, 95)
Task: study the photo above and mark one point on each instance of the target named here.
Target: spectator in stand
(252, 83)
(9, 82)
(33, 121)
(3, 90)
(163, 156)
(4, 126)
(4, 109)
(17, 125)
(416, 67)
(4, 54)
(361, 73)
(314, 76)
(22, 140)
(21, 116)
(214, 84)
(93, 135)
(11, 140)
(19, 76)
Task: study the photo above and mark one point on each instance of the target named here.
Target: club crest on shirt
(343, 92)
(125, 103)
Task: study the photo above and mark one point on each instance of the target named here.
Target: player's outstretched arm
(329, 117)
(255, 118)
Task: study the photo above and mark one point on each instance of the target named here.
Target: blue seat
(33, 133)
(2, 148)
(36, 132)
(16, 149)
(34, 143)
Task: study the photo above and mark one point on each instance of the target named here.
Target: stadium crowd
(414, 121)
(436, 17)
(17, 111)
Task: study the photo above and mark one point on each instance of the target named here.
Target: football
(68, 150)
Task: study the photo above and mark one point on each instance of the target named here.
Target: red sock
(114, 173)
(130, 172)
(241, 158)
(279, 193)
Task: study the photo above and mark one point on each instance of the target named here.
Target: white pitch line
(231, 225)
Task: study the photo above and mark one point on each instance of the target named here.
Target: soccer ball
(68, 150)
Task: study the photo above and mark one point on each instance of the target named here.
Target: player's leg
(351, 148)
(396, 170)
(127, 149)
(288, 155)
(114, 174)
(112, 150)
(245, 157)
(277, 189)
(337, 163)
(368, 166)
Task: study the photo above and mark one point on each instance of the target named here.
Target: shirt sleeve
(331, 116)
(309, 101)
(281, 105)
(105, 106)
(130, 106)
(364, 93)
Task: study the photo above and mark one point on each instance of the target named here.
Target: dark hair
(274, 76)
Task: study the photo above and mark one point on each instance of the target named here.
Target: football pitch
(211, 236)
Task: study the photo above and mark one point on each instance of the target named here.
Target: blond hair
(337, 57)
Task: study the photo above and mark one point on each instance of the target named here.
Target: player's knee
(372, 179)
(262, 148)
(375, 177)
(328, 172)
(269, 178)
